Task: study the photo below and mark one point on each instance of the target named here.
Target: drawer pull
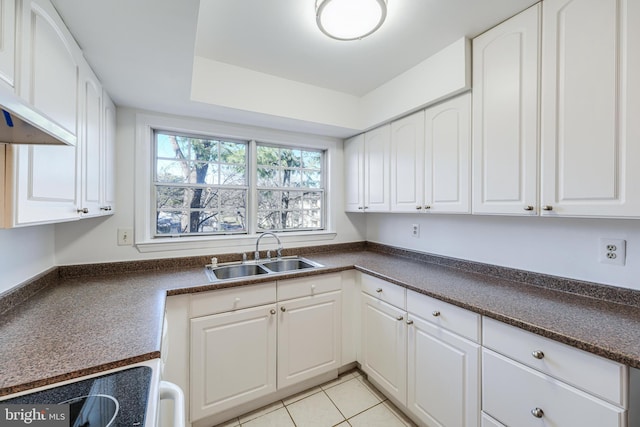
(547, 208)
(528, 208)
(409, 322)
(537, 412)
(436, 313)
(379, 290)
(399, 318)
(537, 354)
(283, 309)
(272, 311)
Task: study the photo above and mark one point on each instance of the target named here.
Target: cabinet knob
(435, 313)
(418, 207)
(83, 210)
(528, 208)
(360, 207)
(283, 309)
(379, 290)
(537, 354)
(409, 322)
(547, 208)
(237, 300)
(272, 311)
(399, 318)
(366, 207)
(427, 207)
(106, 208)
(537, 412)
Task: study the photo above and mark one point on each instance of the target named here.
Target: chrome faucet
(256, 255)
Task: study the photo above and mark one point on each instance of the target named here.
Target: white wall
(557, 246)
(25, 253)
(95, 240)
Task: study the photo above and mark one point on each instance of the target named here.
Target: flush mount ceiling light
(350, 19)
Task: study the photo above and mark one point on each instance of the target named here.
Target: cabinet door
(354, 174)
(447, 161)
(590, 108)
(43, 183)
(309, 337)
(50, 64)
(109, 155)
(7, 41)
(384, 346)
(443, 376)
(519, 396)
(233, 359)
(376, 169)
(407, 168)
(505, 116)
(90, 142)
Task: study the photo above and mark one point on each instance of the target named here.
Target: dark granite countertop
(83, 323)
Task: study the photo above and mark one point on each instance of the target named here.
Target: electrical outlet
(415, 230)
(613, 251)
(125, 237)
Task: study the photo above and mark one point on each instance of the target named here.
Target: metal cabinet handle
(537, 354)
(409, 322)
(418, 207)
(360, 207)
(547, 208)
(83, 210)
(282, 309)
(435, 313)
(399, 318)
(537, 412)
(272, 311)
(379, 290)
(106, 208)
(427, 207)
(528, 208)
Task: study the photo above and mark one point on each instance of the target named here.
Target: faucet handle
(279, 252)
(269, 254)
(256, 255)
(244, 257)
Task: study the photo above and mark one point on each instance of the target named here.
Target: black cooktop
(118, 399)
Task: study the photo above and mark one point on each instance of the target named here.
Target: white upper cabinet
(91, 142)
(354, 173)
(367, 171)
(590, 108)
(108, 205)
(505, 116)
(407, 164)
(49, 74)
(447, 156)
(377, 144)
(430, 159)
(7, 42)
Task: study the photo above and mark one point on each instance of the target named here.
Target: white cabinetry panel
(354, 173)
(590, 106)
(376, 169)
(505, 121)
(407, 164)
(7, 41)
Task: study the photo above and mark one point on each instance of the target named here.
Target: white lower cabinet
(246, 343)
(529, 380)
(443, 363)
(233, 359)
(309, 337)
(384, 346)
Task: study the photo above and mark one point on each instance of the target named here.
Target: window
(203, 185)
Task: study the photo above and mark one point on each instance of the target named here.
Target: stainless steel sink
(235, 271)
(289, 264)
(252, 268)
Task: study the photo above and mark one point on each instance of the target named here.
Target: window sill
(214, 243)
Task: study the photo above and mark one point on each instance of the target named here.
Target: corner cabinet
(590, 108)
(367, 171)
(505, 116)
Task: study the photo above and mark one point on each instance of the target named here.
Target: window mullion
(252, 209)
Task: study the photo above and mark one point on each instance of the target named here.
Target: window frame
(147, 123)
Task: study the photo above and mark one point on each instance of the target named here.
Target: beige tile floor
(348, 401)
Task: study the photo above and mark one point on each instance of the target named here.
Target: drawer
(383, 290)
(306, 286)
(594, 374)
(463, 322)
(511, 392)
(221, 300)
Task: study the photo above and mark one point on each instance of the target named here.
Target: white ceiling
(143, 50)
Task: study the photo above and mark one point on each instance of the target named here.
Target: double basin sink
(238, 270)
